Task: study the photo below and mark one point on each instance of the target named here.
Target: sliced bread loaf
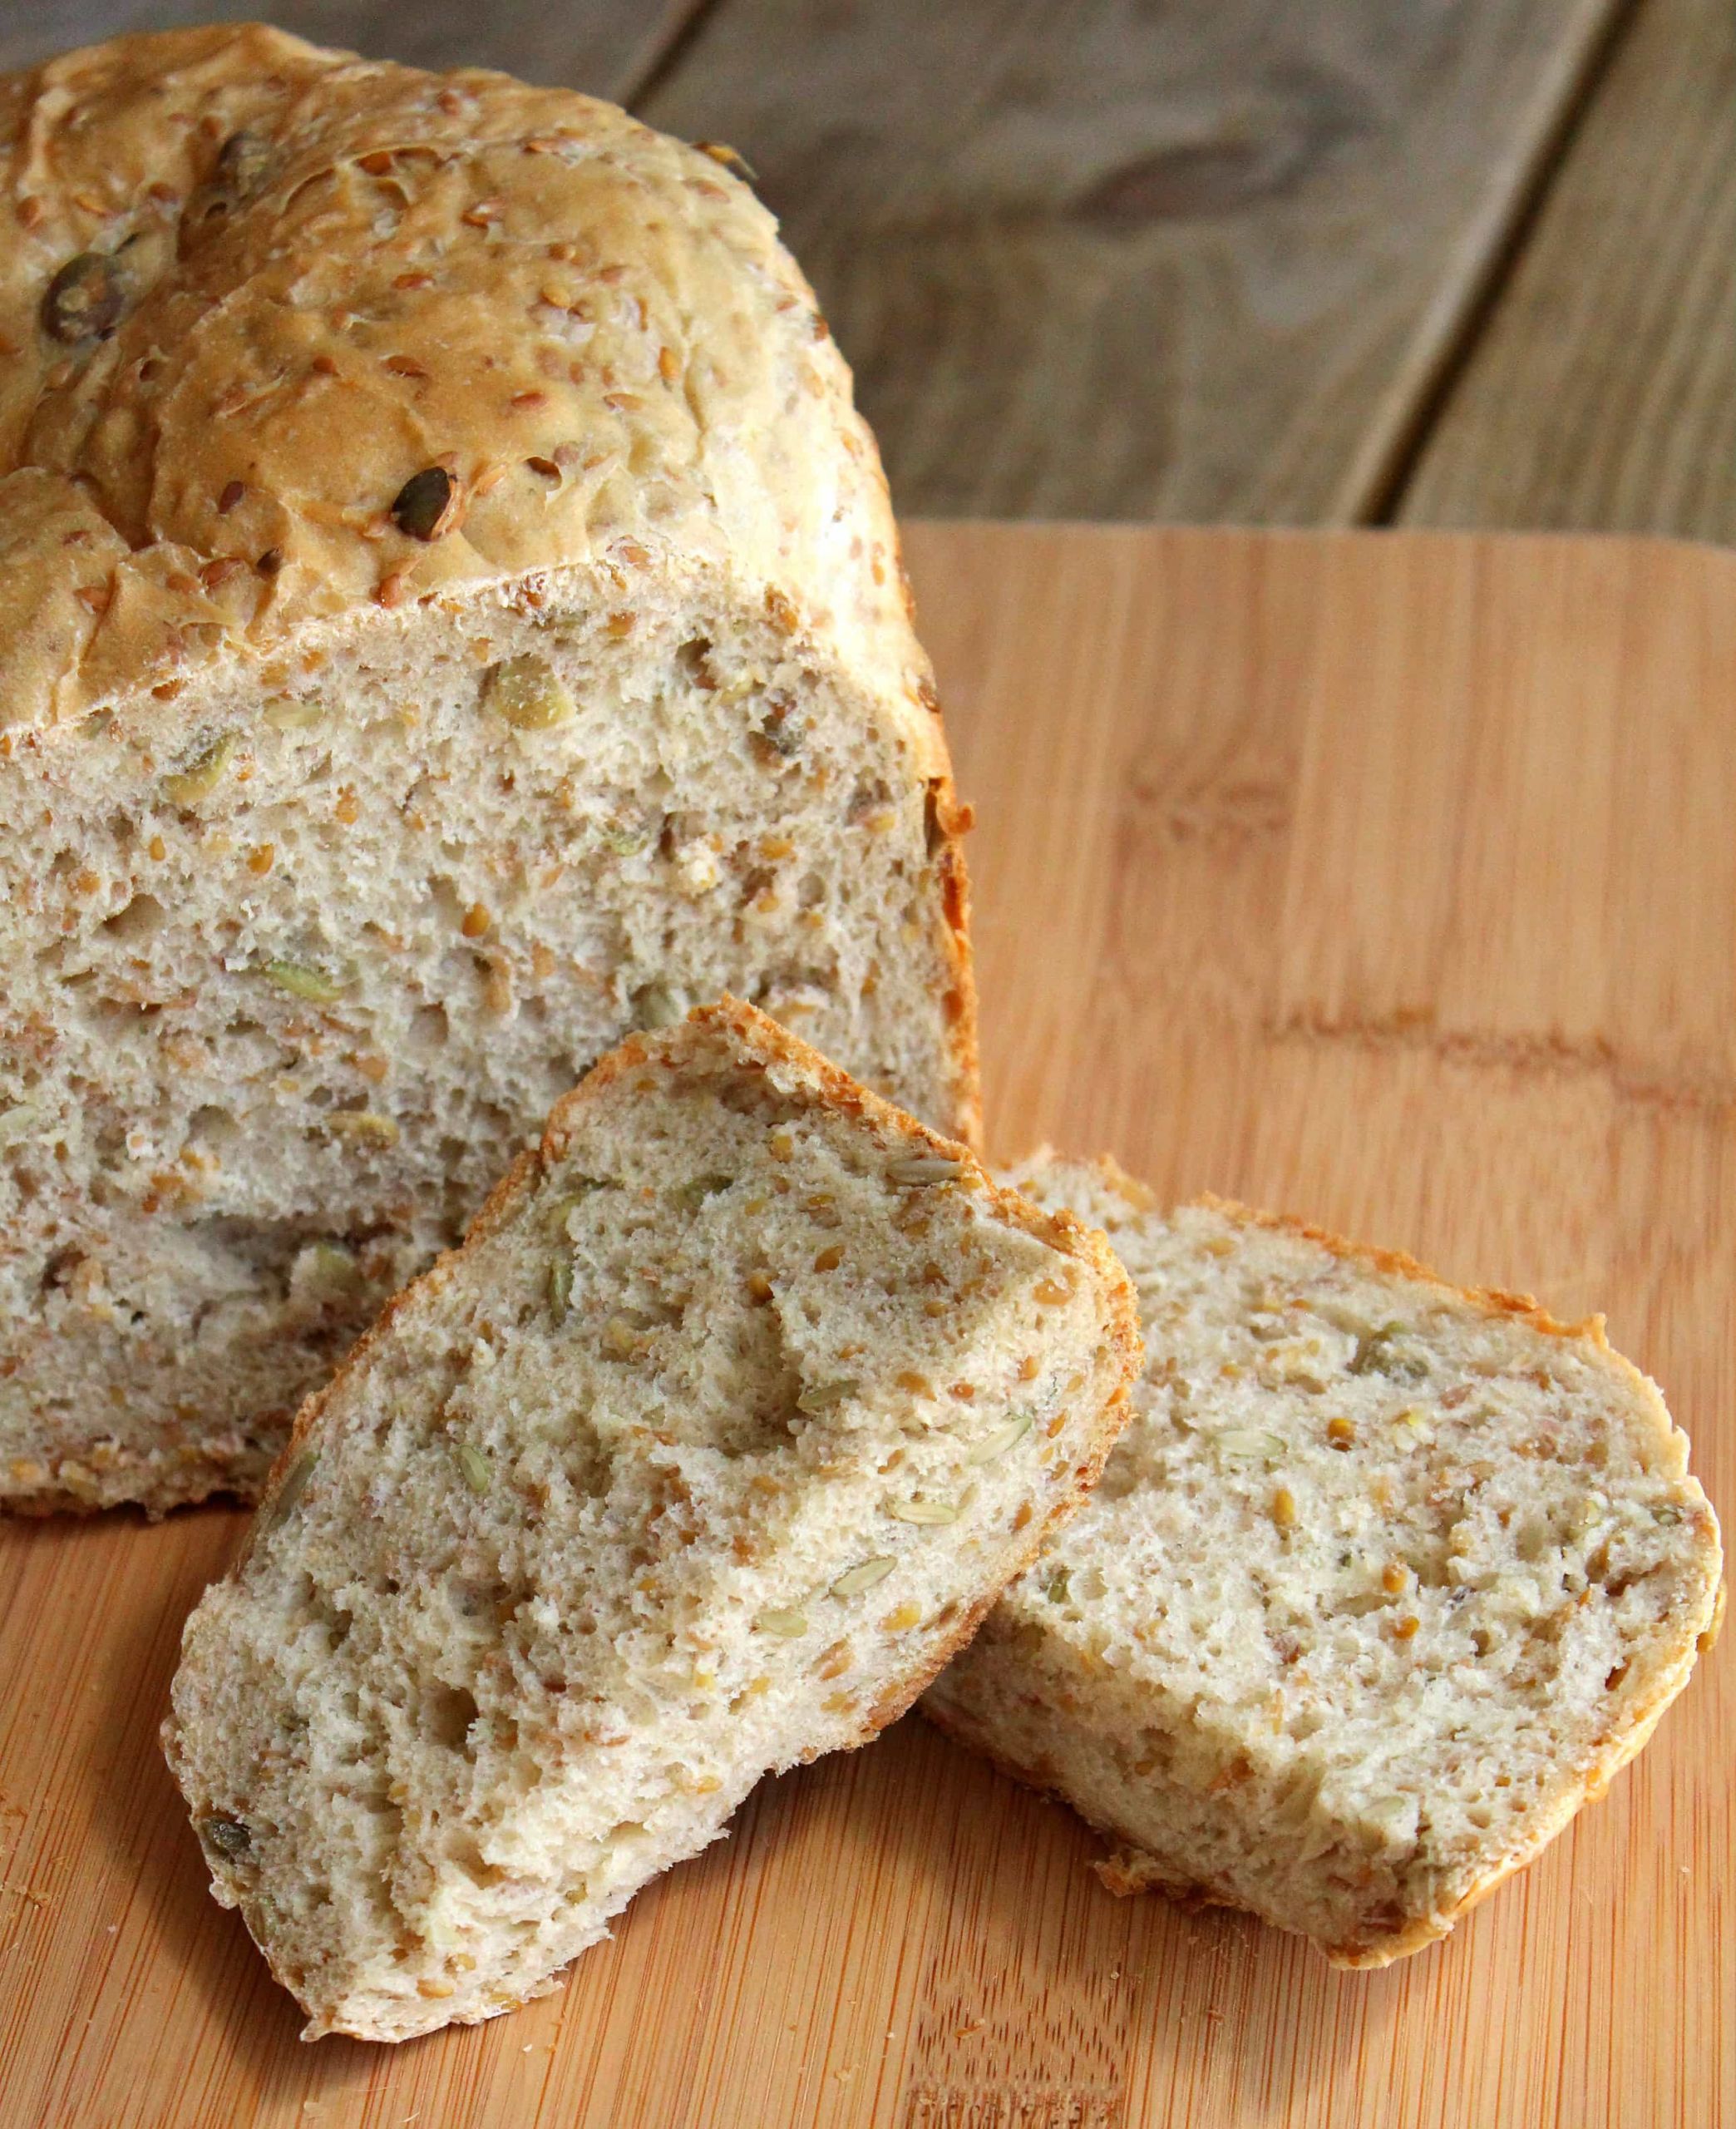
(743, 1398)
(449, 616)
(1383, 1581)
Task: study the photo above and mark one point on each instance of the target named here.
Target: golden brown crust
(1714, 1625)
(51, 1502)
(953, 822)
(192, 1485)
(1396, 1263)
(319, 276)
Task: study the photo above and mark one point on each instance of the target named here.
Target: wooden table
(1385, 877)
(1464, 262)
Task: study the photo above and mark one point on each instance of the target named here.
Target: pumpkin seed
(786, 1625)
(243, 160)
(528, 693)
(242, 164)
(1249, 1443)
(922, 1511)
(85, 299)
(1002, 1440)
(657, 1007)
(301, 980)
(925, 1168)
(363, 1123)
(856, 1579)
(821, 1396)
(731, 159)
(18, 1122)
(294, 713)
(560, 1288)
(578, 1188)
(200, 777)
(427, 506)
(1375, 1355)
(474, 1465)
(295, 1483)
(702, 1187)
(622, 1340)
(331, 1267)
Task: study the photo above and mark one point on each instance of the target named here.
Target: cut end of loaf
(744, 1398)
(300, 1024)
(1383, 1581)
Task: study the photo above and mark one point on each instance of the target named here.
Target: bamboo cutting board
(1389, 879)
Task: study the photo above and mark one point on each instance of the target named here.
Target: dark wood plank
(609, 47)
(1603, 393)
(1140, 259)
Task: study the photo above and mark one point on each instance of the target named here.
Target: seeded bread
(1384, 1580)
(743, 1398)
(450, 615)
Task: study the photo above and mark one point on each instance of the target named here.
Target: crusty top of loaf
(304, 277)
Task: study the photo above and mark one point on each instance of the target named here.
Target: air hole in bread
(449, 1714)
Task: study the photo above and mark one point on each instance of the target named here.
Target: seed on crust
(85, 299)
(426, 507)
(730, 159)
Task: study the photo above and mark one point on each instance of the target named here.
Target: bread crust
(1128, 1869)
(257, 199)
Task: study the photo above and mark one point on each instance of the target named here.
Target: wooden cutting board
(1390, 879)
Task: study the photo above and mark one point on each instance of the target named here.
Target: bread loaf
(743, 1399)
(450, 615)
(1383, 1580)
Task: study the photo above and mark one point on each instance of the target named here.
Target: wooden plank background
(1385, 877)
(1360, 261)
(1120, 261)
(1602, 390)
(608, 47)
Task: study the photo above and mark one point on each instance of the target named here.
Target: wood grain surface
(1602, 391)
(608, 47)
(1388, 878)
(1141, 261)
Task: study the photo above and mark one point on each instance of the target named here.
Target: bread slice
(1384, 1580)
(449, 616)
(743, 1398)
